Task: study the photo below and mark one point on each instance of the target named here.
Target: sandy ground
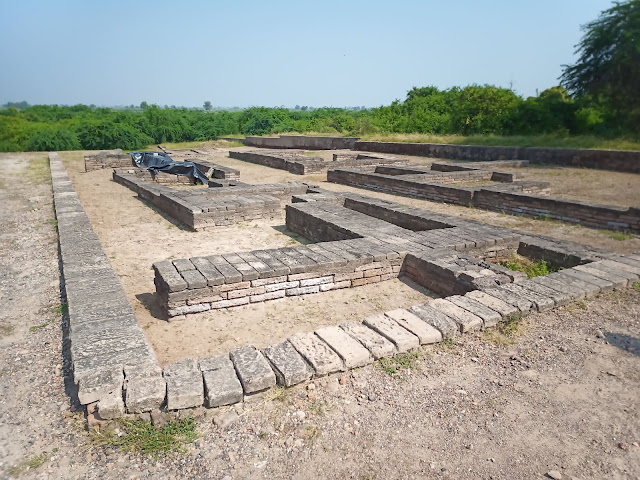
(561, 395)
(134, 235)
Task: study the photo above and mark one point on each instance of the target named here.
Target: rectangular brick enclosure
(300, 164)
(618, 160)
(509, 196)
(359, 241)
(225, 203)
(107, 159)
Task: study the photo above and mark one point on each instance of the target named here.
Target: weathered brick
(303, 290)
(390, 329)
(318, 354)
(421, 329)
(289, 366)
(253, 369)
(352, 353)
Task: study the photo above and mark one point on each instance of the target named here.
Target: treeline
(470, 110)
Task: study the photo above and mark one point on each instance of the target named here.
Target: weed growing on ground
(533, 268)
(312, 433)
(617, 235)
(29, 464)
(507, 331)
(61, 309)
(229, 144)
(35, 328)
(399, 364)
(319, 408)
(636, 286)
(6, 329)
(139, 436)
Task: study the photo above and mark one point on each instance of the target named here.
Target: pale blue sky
(279, 53)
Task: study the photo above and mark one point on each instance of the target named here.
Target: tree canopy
(608, 67)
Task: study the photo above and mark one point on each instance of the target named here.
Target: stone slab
(466, 320)
(611, 268)
(253, 369)
(403, 339)
(502, 308)
(437, 319)
(425, 332)
(185, 388)
(144, 394)
(352, 353)
(378, 345)
(221, 383)
(618, 281)
(111, 405)
(599, 283)
(208, 270)
(523, 304)
(541, 302)
(559, 297)
(588, 289)
(572, 289)
(320, 356)
(100, 382)
(489, 317)
(626, 263)
(289, 366)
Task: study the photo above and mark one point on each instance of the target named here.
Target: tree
(207, 105)
(144, 105)
(608, 67)
(18, 105)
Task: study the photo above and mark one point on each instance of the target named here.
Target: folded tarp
(161, 162)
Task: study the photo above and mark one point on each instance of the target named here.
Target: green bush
(52, 139)
(484, 114)
(102, 135)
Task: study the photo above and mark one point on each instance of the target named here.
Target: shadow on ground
(624, 342)
(295, 238)
(151, 302)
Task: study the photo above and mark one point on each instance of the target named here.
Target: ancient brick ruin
(509, 196)
(357, 240)
(300, 164)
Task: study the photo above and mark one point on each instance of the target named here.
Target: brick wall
(303, 142)
(590, 215)
(392, 184)
(108, 160)
(618, 160)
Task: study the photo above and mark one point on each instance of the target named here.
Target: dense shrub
(52, 139)
(472, 110)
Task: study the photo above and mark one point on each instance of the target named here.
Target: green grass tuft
(399, 364)
(29, 464)
(507, 330)
(617, 235)
(636, 286)
(6, 329)
(35, 328)
(533, 268)
(61, 309)
(142, 437)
